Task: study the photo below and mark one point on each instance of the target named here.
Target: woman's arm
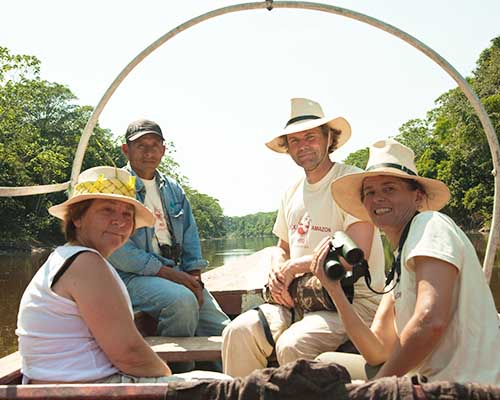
(374, 344)
(435, 282)
(103, 307)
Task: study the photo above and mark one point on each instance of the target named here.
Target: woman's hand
(317, 266)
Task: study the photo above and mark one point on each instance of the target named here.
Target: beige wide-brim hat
(307, 114)
(391, 158)
(106, 183)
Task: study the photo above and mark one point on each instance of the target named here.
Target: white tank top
(54, 342)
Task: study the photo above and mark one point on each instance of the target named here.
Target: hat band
(391, 165)
(301, 118)
(107, 186)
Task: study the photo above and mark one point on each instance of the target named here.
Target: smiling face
(145, 154)
(391, 202)
(105, 226)
(308, 148)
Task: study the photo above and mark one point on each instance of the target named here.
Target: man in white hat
(161, 266)
(306, 215)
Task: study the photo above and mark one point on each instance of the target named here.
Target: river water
(17, 269)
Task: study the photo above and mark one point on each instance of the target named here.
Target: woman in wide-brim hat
(75, 322)
(440, 319)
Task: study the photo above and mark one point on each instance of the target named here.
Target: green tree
(358, 158)
(40, 127)
(208, 214)
(252, 225)
(466, 164)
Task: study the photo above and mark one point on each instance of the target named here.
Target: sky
(222, 88)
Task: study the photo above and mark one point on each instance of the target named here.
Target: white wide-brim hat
(391, 158)
(106, 183)
(307, 114)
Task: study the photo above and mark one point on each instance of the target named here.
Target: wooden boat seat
(198, 348)
(170, 349)
(10, 369)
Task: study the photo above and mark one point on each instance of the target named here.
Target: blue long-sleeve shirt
(137, 257)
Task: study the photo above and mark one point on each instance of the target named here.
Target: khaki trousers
(354, 363)
(245, 347)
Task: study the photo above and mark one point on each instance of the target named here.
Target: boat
(237, 286)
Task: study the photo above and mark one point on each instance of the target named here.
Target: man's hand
(282, 275)
(191, 280)
(196, 273)
(279, 281)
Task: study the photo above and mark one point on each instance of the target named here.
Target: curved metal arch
(494, 236)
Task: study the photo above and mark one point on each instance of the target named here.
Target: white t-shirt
(308, 213)
(470, 348)
(153, 202)
(54, 340)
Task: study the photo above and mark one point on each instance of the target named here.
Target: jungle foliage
(450, 144)
(253, 225)
(40, 127)
(41, 124)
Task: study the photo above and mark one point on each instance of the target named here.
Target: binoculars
(171, 252)
(342, 246)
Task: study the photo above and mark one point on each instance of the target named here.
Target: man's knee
(287, 347)
(244, 345)
(185, 306)
(180, 317)
(242, 326)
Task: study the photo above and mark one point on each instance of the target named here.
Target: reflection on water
(17, 269)
(223, 251)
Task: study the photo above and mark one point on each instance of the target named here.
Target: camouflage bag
(308, 294)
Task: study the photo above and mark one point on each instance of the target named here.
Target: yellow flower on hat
(106, 183)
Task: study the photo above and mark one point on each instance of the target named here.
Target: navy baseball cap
(142, 127)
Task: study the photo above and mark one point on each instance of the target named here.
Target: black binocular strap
(396, 265)
(265, 327)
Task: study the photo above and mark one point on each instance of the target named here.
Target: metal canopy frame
(494, 235)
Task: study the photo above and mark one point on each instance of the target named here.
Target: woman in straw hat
(75, 321)
(440, 319)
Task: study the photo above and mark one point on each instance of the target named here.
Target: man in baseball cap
(161, 266)
(142, 127)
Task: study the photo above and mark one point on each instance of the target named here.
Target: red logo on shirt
(304, 225)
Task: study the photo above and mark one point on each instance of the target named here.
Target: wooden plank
(156, 391)
(10, 369)
(170, 349)
(237, 285)
(246, 274)
(230, 302)
(198, 348)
